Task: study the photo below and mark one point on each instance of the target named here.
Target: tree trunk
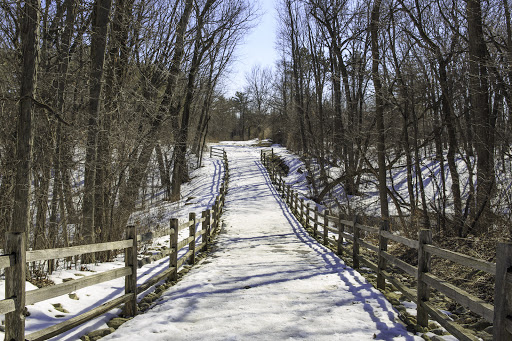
(425, 223)
(480, 108)
(180, 170)
(379, 110)
(114, 75)
(30, 61)
(21, 210)
(101, 13)
(381, 145)
(452, 148)
(296, 68)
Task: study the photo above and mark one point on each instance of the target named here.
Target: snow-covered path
(266, 280)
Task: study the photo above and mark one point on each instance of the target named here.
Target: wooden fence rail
(335, 230)
(16, 258)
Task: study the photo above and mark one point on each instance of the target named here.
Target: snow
(198, 195)
(410, 307)
(368, 199)
(266, 280)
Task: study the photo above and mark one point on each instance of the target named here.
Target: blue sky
(257, 48)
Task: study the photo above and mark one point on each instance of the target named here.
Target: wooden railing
(216, 152)
(16, 257)
(345, 237)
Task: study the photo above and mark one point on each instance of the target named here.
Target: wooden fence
(345, 237)
(16, 257)
(217, 152)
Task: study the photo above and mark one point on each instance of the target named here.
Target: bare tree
(100, 23)
(485, 119)
(30, 52)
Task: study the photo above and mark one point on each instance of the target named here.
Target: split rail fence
(345, 236)
(16, 258)
(216, 152)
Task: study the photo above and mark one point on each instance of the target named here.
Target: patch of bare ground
(476, 282)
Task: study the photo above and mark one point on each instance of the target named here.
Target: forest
(372, 89)
(93, 95)
(97, 96)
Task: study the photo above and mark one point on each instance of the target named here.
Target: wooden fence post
(226, 178)
(315, 223)
(288, 194)
(307, 215)
(341, 229)
(302, 210)
(211, 151)
(502, 290)
(15, 277)
(326, 225)
(192, 243)
(204, 227)
(222, 195)
(296, 203)
(215, 216)
(130, 281)
(355, 244)
(209, 224)
(173, 257)
(425, 237)
(383, 246)
(221, 205)
(213, 219)
(210, 231)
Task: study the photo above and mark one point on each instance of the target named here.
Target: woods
(420, 88)
(107, 101)
(99, 96)
(393, 116)
(95, 97)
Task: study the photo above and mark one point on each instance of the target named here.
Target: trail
(266, 280)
